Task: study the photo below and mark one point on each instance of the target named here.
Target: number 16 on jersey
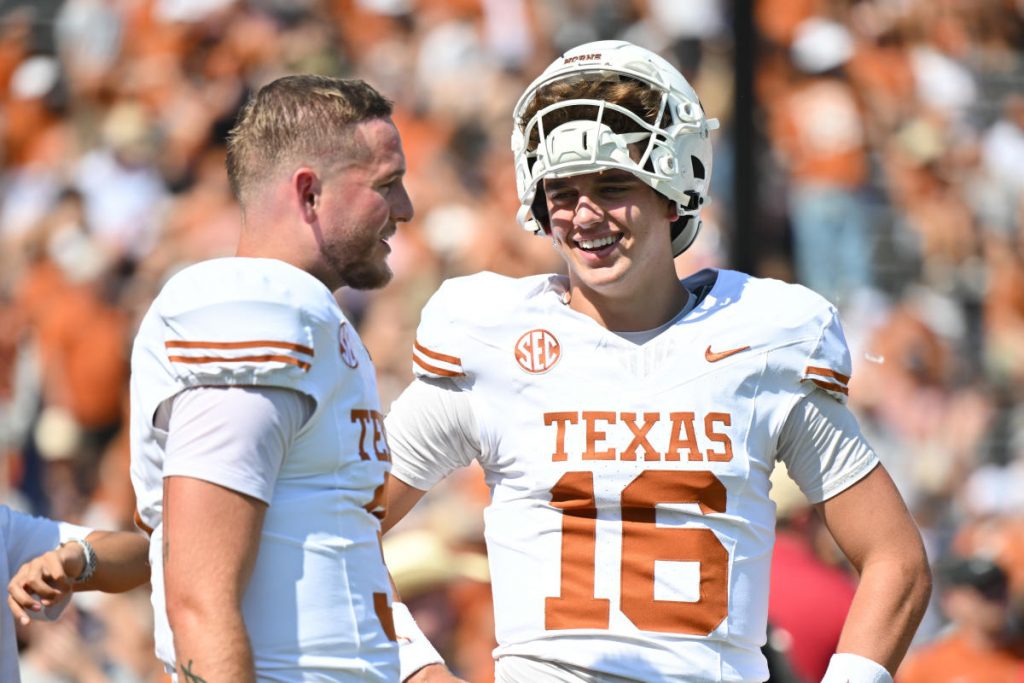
(643, 544)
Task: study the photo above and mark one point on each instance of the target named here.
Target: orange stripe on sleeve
(831, 387)
(436, 370)
(454, 360)
(181, 344)
(240, 359)
(827, 373)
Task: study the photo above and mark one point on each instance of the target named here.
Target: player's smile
(599, 246)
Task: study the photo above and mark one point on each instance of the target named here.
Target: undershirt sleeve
(432, 431)
(235, 437)
(823, 447)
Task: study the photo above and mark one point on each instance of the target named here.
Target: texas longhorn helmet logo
(537, 351)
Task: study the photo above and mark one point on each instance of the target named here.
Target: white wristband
(845, 667)
(414, 650)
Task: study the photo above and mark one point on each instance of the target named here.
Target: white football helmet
(676, 158)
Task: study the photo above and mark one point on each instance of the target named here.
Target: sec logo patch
(347, 348)
(537, 351)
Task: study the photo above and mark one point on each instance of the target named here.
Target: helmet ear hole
(698, 168)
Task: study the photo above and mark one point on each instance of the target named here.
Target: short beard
(367, 276)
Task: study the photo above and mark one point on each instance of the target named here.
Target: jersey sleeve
(464, 321)
(235, 328)
(828, 365)
(823, 447)
(240, 343)
(440, 346)
(818, 437)
(432, 431)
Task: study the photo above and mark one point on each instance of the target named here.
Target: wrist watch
(90, 559)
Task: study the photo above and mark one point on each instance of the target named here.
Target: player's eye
(561, 197)
(386, 187)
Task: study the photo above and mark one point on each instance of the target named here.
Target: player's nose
(588, 212)
(402, 209)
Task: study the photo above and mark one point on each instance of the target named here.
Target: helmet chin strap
(526, 219)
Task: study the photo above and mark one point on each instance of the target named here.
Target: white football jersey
(317, 606)
(630, 529)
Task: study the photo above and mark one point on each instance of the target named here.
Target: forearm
(121, 561)
(873, 527)
(211, 644)
(890, 600)
(401, 499)
(211, 538)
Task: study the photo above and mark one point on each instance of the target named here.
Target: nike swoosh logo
(715, 356)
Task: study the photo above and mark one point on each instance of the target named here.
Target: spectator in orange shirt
(981, 645)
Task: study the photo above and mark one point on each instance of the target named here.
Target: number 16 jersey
(630, 528)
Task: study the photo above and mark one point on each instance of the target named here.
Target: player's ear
(306, 189)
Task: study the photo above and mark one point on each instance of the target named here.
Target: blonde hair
(298, 119)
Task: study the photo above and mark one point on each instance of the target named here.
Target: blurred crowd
(890, 178)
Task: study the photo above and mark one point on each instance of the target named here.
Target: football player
(258, 450)
(627, 421)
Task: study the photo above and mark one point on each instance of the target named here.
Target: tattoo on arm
(190, 677)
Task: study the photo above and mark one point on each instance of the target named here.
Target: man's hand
(434, 673)
(44, 581)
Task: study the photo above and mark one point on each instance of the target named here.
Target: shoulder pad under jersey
(798, 327)
(249, 322)
(828, 364)
(458, 316)
(815, 351)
